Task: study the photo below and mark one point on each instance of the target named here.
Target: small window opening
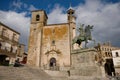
(53, 42)
(37, 18)
(117, 55)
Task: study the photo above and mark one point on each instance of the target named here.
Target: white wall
(116, 59)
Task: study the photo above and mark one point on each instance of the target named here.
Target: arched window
(117, 55)
(37, 17)
(53, 42)
(105, 54)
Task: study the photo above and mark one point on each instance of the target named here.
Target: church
(51, 48)
(50, 45)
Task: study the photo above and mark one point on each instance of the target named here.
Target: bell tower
(39, 16)
(38, 21)
(71, 16)
(72, 23)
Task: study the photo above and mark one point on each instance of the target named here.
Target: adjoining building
(116, 60)
(9, 45)
(21, 54)
(104, 57)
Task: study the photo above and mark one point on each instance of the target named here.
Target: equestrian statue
(84, 35)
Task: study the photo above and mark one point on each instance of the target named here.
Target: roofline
(22, 44)
(37, 10)
(40, 10)
(8, 27)
(57, 24)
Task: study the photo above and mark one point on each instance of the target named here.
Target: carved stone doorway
(3, 60)
(109, 67)
(52, 62)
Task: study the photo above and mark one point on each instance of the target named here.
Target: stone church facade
(50, 48)
(50, 45)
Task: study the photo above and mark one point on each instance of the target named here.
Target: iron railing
(7, 52)
(5, 37)
(53, 68)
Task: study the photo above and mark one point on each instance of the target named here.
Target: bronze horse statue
(85, 35)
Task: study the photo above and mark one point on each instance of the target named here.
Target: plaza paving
(22, 73)
(27, 73)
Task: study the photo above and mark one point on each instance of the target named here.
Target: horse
(85, 35)
(88, 34)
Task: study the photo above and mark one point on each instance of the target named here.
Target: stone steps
(27, 73)
(56, 73)
(22, 73)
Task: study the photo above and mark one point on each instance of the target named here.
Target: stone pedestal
(83, 63)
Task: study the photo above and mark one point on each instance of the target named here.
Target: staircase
(22, 73)
(27, 73)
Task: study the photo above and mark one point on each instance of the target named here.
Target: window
(14, 37)
(106, 54)
(117, 55)
(3, 32)
(109, 54)
(110, 49)
(37, 17)
(53, 42)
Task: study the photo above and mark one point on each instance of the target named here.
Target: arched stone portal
(3, 60)
(52, 62)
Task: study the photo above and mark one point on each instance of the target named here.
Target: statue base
(83, 63)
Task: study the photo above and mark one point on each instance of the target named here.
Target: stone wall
(56, 44)
(83, 63)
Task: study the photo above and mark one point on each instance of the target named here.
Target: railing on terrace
(53, 68)
(7, 52)
(5, 37)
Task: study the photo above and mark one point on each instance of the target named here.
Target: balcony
(15, 41)
(8, 53)
(5, 38)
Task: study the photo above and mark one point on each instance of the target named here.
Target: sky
(103, 14)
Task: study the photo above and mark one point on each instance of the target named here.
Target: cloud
(18, 5)
(18, 22)
(104, 16)
(31, 8)
(57, 15)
